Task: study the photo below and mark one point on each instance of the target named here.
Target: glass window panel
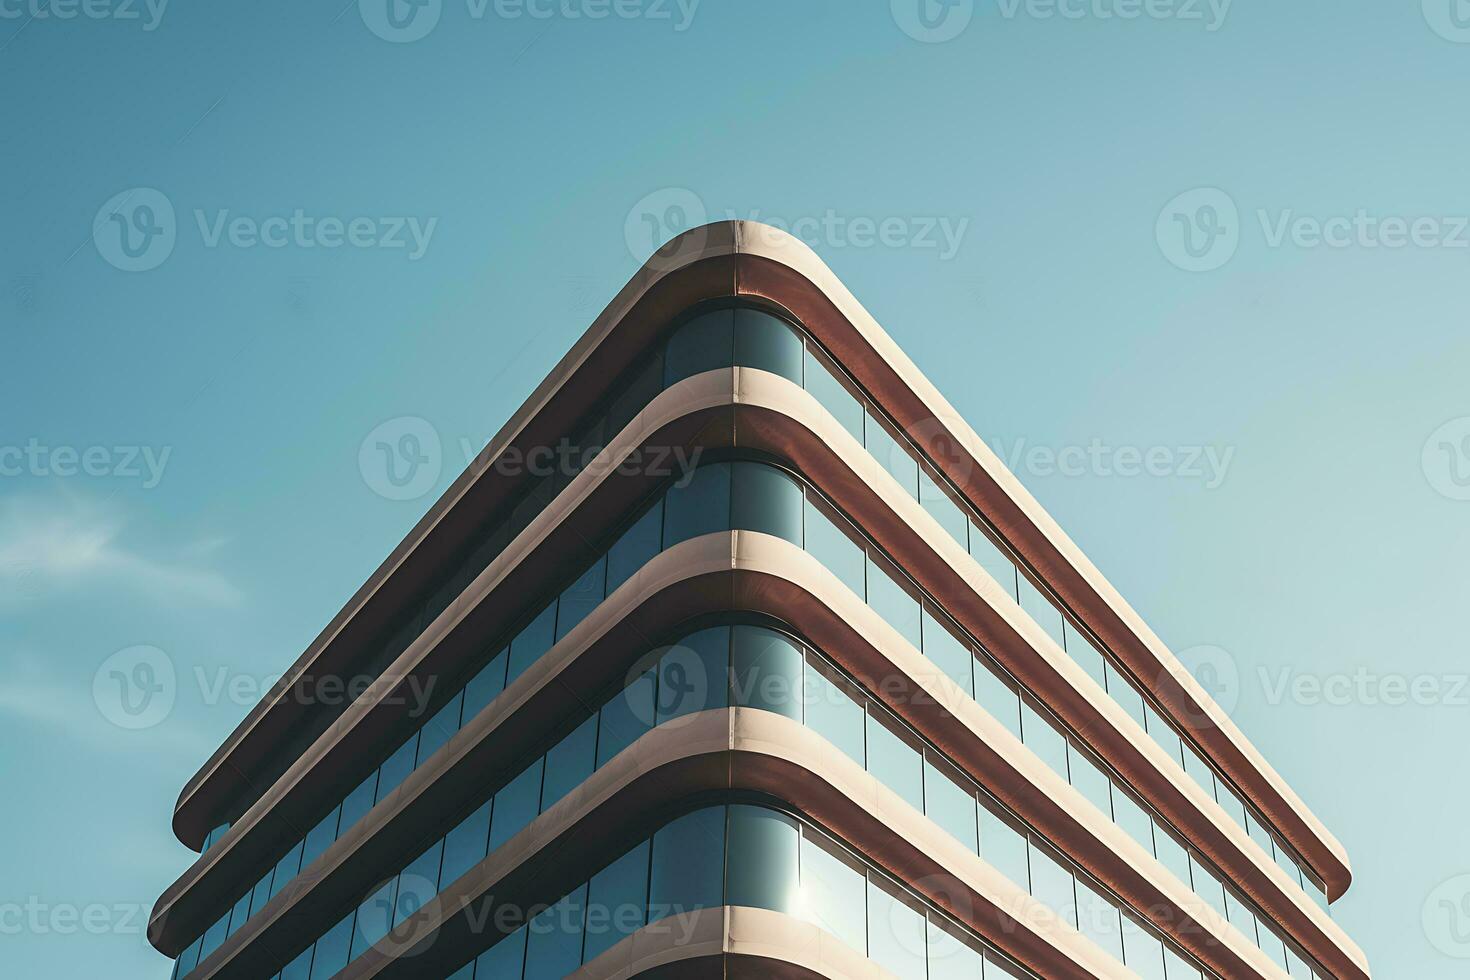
(332, 950)
(570, 762)
(997, 968)
(418, 883)
(288, 866)
(532, 642)
(1257, 831)
(320, 837)
(1206, 885)
(466, 972)
(581, 597)
(702, 344)
(1143, 951)
(189, 958)
(1051, 881)
(1273, 947)
(996, 562)
(439, 729)
(1081, 649)
(764, 499)
(1315, 889)
(516, 805)
(624, 719)
(688, 864)
(240, 913)
(949, 653)
(896, 760)
(891, 453)
(464, 846)
(943, 509)
(693, 674)
(890, 597)
(636, 547)
(1239, 914)
(374, 918)
(1003, 842)
(1296, 966)
(832, 887)
(1043, 737)
(1176, 967)
(762, 870)
(1171, 853)
(998, 695)
(639, 388)
(700, 507)
(357, 804)
(1098, 918)
(215, 935)
(1130, 814)
(897, 934)
(1127, 696)
(1198, 771)
(1162, 733)
(1040, 608)
(1232, 803)
(396, 767)
(1285, 861)
(832, 713)
(617, 902)
(300, 967)
(485, 686)
(769, 343)
(952, 957)
(554, 946)
(830, 544)
(1089, 779)
(766, 671)
(506, 960)
(950, 802)
(260, 894)
(840, 403)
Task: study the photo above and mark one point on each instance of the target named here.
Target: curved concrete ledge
(735, 942)
(757, 262)
(776, 416)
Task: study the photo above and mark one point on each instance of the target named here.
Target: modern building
(737, 653)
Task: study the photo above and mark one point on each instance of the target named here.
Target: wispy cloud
(64, 542)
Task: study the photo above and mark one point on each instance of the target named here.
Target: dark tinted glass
(532, 642)
(440, 729)
(554, 947)
(516, 805)
(634, 549)
(332, 950)
(570, 762)
(215, 935)
(763, 847)
(418, 883)
(288, 866)
(762, 498)
(397, 766)
(688, 863)
(580, 598)
(624, 719)
(702, 344)
(505, 960)
(766, 671)
(300, 967)
(464, 846)
(319, 838)
(693, 674)
(617, 900)
(260, 894)
(484, 686)
(357, 804)
(701, 507)
(767, 342)
(240, 913)
(374, 918)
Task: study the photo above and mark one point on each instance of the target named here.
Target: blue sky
(1228, 238)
